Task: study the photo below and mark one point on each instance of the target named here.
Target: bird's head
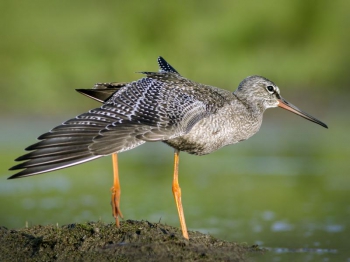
(259, 93)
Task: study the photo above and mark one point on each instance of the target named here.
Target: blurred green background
(286, 187)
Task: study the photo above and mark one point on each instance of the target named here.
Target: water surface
(286, 189)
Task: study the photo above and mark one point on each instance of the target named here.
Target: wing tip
(19, 174)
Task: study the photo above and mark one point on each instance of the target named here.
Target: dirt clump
(133, 241)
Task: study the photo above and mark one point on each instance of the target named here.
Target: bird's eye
(271, 89)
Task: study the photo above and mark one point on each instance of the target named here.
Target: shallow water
(286, 189)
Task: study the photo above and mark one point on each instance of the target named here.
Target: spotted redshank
(162, 106)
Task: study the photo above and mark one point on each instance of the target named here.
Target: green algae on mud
(134, 240)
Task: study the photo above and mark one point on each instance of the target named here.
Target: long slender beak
(292, 108)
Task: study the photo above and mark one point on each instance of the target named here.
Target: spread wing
(158, 107)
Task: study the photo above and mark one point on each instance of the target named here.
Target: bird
(161, 106)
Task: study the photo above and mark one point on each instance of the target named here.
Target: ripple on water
(281, 250)
(279, 226)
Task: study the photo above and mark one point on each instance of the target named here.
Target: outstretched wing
(158, 107)
(65, 145)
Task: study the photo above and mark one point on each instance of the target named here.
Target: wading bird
(162, 106)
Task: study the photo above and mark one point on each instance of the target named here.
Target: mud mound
(133, 241)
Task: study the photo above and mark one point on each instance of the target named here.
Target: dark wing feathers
(102, 91)
(29, 171)
(164, 66)
(50, 159)
(53, 151)
(97, 94)
(158, 107)
(121, 139)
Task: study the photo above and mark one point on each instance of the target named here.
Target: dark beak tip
(292, 108)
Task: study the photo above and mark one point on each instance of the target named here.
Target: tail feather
(102, 91)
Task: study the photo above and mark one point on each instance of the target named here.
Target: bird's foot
(115, 205)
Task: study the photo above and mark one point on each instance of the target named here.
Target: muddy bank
(133, 241)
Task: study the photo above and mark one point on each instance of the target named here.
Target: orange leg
(177, 194)
(116, 191)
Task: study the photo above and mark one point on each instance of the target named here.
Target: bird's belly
(208, 136)
(201, 143)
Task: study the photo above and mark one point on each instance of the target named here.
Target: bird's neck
(256, 109)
